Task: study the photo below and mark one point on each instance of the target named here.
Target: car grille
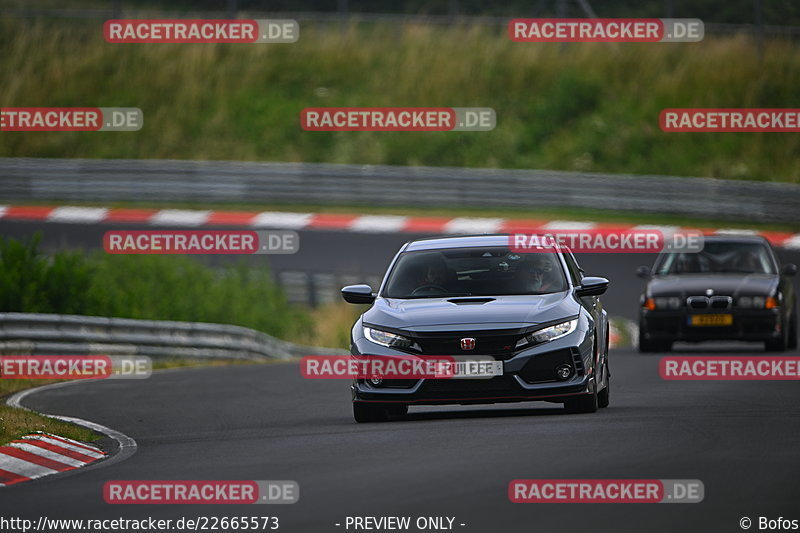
(501, 344)
(705, 302)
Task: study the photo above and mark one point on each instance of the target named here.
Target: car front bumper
(748, 325)
(500, 389)
(527, 376)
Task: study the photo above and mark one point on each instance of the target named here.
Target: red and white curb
(42, 454)
(336, 221)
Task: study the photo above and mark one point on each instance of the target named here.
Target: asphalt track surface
(266, 422)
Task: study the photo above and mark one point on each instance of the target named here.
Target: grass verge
(581, 107)
(14, 423)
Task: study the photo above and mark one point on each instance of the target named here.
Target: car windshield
(720, 257)
(474, 272)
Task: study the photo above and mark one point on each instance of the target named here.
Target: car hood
(722, 285)
(430, 314)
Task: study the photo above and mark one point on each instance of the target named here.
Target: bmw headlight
(751, 302)
(549, 333)
(671, 302)
(384, 338)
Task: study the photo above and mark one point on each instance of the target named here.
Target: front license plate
(473, 369)
(711, 320)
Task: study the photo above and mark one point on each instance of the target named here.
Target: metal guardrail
(48, 334)
(158, 181)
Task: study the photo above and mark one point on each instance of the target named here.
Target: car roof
(460, 241)
(736, 238)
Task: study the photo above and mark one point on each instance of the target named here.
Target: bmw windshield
(720, 258)
(474, 272)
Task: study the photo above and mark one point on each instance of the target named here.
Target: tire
(604, 396)
(779, 344)
(646, 346)
(792, 344)
(377, 412)
(586, 403)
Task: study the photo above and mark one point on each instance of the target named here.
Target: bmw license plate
(711, 320)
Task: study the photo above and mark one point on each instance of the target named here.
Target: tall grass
(590, 107)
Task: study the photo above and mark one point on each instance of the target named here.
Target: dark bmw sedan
(533, 317)
(734, 289)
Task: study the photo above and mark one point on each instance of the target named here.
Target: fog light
(563, 371)
(376, 381)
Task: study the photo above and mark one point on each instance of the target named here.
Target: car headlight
(662, 302)
(384, 338)
(751, 302)
(549, 333)
(671, 302)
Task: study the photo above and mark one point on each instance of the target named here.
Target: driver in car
(432, 276)
(538, 274)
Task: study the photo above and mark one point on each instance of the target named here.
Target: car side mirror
(358, 294)
(790, 269)
(643, 272)
(592, 286)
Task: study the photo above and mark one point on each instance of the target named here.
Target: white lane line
(474, 225)
(180, 217)
(379, 224)
(792, 243)
(77, 214)
(569, 225)
(47, 454)
(669, 229)
(277, 219)
(735, 231)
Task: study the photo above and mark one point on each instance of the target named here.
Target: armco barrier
(48, 334)
(158, 181)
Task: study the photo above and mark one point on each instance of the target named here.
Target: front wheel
(646, 346)
(604, 397)
(377, 412)
(792, 344)
(779, 344)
